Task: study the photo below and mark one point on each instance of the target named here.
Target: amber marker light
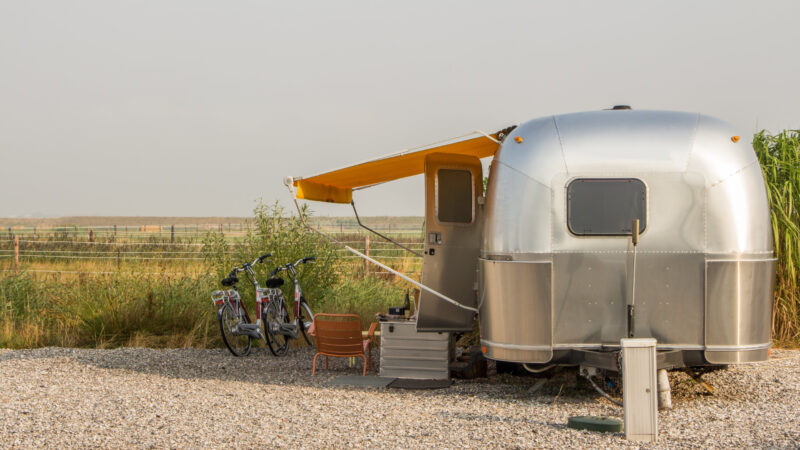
(735, 139)
(518, 140)
(483, 349)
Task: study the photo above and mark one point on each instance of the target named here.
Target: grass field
(152, 288)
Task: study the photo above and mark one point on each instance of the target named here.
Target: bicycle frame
(293, 329)
(290, 329)
(298, 293)
(259, 296)
(232, 296)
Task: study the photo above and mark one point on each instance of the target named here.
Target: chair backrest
(338, 334)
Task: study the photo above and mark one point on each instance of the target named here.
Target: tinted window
(606, 207)
(454, 195)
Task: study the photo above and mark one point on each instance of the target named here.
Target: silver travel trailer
(546, 256)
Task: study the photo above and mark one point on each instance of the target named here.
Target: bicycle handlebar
(304, 260)
(278, 269)
(245, 265)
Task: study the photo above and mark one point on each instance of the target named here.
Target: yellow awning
(337, 186)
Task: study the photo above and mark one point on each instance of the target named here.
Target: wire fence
(230, 230)
(55, 249)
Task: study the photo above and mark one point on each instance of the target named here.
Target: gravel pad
(186, 398)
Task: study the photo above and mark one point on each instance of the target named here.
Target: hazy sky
(197, 108)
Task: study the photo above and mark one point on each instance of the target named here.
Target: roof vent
(621, 107)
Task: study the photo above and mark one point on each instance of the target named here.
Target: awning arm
(367, 258)
(358, 219)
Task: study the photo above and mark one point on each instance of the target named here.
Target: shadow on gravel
(564, 386)
(294, 369)
(487, 418)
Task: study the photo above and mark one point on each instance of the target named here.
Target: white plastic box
(639, 389)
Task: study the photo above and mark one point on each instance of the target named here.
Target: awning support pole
(381, 265)
(358, 219)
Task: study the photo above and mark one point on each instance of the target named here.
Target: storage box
(405, 353)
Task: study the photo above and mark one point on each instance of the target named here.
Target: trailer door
(453, 222)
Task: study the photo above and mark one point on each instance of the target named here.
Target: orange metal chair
(339, 335)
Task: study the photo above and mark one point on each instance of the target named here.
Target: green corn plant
(779, 155)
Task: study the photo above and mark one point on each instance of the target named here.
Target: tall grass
(779, 156)
(166, 303)
(112, 311)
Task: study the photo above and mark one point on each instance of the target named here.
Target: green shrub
(330, 284)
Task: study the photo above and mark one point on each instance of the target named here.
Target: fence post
(366, 252)
(91, 235)
(119, 259)
(16, 255)
(172, 233)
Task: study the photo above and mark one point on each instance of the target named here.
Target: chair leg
(369, 356)
(314, 365)
(364, 358)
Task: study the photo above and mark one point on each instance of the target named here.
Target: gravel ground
(133, 397)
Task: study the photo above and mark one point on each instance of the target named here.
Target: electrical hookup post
(639, 388)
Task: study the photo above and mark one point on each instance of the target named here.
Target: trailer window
(454, 195)
(606, 206)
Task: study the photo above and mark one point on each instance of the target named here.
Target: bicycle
(235, 324)
(277, 327)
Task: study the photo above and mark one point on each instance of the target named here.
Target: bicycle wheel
(274, 316)
(229, 320)
(306, 318)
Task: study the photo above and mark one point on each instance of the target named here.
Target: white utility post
(639, 388)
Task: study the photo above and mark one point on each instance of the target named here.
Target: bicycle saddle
(230, 281)
(274, 282)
